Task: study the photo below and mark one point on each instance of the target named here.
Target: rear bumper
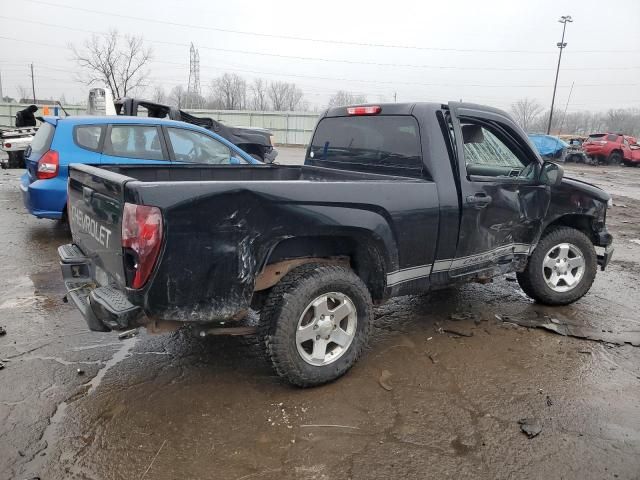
(104, 308)
(44, 198)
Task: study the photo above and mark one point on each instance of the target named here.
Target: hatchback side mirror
(551, 174)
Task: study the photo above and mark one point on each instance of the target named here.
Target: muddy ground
(422, 403)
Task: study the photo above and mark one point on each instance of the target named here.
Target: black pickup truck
(392, 200)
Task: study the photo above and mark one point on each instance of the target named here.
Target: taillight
(367, 110)
(142, 235)
(48, 165)
(7, 145)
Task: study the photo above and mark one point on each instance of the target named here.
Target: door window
(487, 155)
(195, 147)
(134, 141)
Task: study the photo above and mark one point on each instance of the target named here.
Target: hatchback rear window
(595, 137)
(380, 144)
(42, 140)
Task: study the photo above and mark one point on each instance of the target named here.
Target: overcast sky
(492, 52)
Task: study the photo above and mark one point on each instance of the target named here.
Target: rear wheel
(16, 160)
(561, 268)
(315, 323)
(614, 159)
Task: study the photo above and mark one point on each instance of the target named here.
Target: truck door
(502, 202)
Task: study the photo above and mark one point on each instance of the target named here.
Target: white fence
(289, 128)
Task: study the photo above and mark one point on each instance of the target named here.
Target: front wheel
(315, 323)
(561, 269)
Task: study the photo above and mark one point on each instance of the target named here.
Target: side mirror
(551, 174)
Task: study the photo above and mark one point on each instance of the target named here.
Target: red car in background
(611, 148)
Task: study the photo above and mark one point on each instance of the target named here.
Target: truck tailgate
(95, 204)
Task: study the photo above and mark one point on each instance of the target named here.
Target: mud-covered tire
(614, 159)
(16, 160)
(532, 280)
(284, 307)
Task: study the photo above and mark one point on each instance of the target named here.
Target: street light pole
(564, 20)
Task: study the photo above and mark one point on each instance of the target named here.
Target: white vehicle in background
(14, 142)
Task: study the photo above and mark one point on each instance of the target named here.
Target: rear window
(380, 144)
(42, 140)
(88, 136)
(595, 136)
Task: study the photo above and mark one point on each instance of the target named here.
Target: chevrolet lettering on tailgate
(88, 225)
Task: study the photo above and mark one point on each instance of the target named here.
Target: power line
(376, 81)
(306, 39)
(332, 60)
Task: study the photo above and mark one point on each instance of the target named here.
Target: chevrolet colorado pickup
(392, 200)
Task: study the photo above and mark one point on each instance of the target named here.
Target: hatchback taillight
(141, 239)
(48, 165)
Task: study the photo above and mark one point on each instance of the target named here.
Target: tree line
(534, 118)
(230, 91)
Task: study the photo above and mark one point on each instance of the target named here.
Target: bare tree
(229, 92)
(526, 111)
(285, 96)
(177, 96)
(294, 99)
(342, 97)
(277, 93)
(23, 93)
(118, 61)
(259, 100)
(159, 95)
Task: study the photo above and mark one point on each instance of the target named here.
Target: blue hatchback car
(112, 140)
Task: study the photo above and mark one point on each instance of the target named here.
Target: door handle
(479, 200)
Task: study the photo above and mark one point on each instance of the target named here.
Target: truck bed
(223, 223)
(244, 173)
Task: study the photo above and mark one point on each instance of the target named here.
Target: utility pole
(561, 45)
(1, 95)
(33, 85)
(395, 97)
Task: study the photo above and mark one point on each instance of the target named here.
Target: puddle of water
(120, 355)
(19, 294)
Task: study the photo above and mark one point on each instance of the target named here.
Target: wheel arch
(360, 251)
(581, 222)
